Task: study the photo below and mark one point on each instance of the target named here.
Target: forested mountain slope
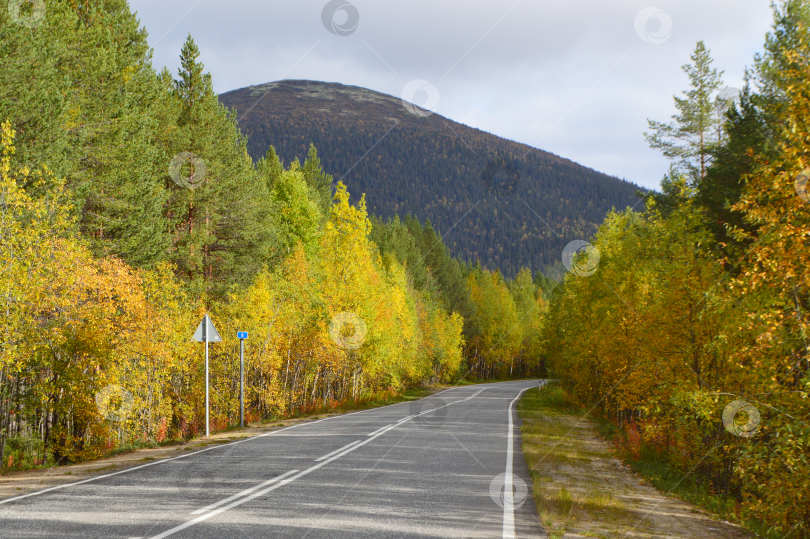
(435, 169)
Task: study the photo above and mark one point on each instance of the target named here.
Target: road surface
(443, 466)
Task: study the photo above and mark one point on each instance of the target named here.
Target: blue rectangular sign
(242, 334)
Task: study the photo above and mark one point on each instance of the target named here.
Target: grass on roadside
(570, 495)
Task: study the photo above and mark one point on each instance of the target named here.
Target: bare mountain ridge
(495, 200)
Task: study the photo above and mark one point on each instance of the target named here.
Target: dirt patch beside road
(582, 490)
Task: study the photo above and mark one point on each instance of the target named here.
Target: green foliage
(221, 231)
(318, 181)
(748, 133)
(270, 168)
(296, 213)
(395, 241)
(696, 128)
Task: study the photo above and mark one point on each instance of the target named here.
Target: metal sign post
(242, 335)
(206, 332)
(205, 337)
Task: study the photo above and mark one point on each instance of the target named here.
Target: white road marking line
(346, 452)
(443, 391)
(223, 509)
(162, 461)
(250, 497)
(243, 493)
(380, 429)
(508, 500)
(336, 451)
(283, 482)
(37, 493)
(389, 427)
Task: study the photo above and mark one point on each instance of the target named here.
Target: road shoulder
(582, 490)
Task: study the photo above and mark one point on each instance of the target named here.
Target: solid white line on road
(243, 493)
(223, 509)
(387, 428)
(336, 451)
(283, 482)
(508, 500)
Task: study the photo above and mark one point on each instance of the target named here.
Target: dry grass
(581, 490)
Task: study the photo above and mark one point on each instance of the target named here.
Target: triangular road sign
(213, 335)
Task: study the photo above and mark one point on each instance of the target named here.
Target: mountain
(498, 201)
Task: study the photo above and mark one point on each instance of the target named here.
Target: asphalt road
(436, 467)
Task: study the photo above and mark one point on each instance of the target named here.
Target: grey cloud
(570, 77)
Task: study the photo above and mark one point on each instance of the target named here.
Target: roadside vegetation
(129, 207)
(691, 337)
(571, 495)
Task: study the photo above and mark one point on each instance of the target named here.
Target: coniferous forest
(507, 205)
(131, 205)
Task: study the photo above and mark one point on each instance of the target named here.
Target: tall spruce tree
(270, 168)
(395, 240)
(222, 231)
(448, 273)
(34, 91)
(747, 135)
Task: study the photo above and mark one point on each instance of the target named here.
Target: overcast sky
(578, 78)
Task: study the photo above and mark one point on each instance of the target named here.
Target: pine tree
(318, 181)
(747, 132)
(270, 168)
(689, 139)
(752, 124)
(447, 272)
(34, 90)
(394, 239)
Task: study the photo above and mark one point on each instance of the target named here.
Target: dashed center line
(243, 493)
(336, 451)
(378, 431)
(278, 482)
